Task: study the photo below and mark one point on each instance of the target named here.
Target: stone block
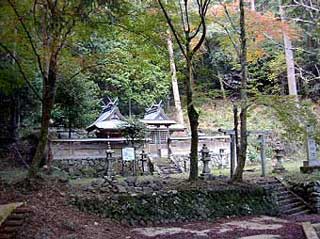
(309, 169)
(311, 163)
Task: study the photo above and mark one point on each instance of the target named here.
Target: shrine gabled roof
(110, 113)
(113, 124)
(155, 115)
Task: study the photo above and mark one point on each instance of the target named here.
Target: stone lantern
(109, 159)
(205, 158)
(143, 160)
(279, 155)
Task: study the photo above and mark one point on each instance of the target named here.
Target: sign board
(128, 154)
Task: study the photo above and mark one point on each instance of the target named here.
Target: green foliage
(135, 131)
(128, 70)
(10, 80)
(295, 116)
(76, 102)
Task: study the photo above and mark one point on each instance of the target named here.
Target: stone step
(9, 229)
(6, 236)
(15, 216)
(282, 192)
(290, 205)
(270, 182)
(167, 168)
(303, 212)
(277, 188)
(283, 196)
(22, 210)
(13, 223)
(295, 210)
(288, 201)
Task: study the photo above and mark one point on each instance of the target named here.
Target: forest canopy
(60, 59)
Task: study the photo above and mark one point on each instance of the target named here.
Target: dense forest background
(119, 49)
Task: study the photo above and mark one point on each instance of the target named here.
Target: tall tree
(189, 43)
(47, 30)
(292, 84)
(242, 151)
(174, 81)
(253, 5)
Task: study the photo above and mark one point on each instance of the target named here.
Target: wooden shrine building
(109, 123)
(160, 127)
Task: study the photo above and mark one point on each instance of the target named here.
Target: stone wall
(95, 148)
(87, 157)
(84, 148)
(181, 145)
(86, 167)
(95, 167)
(309, 191)
(178, 205)
(183, 161)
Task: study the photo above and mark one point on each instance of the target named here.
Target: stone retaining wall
(94, 167)
(86, 167)
(178, 206)
(309, 191)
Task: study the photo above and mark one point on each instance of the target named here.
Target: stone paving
(262, 227)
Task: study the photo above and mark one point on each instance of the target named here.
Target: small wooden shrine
(158, 124)
(109, 123)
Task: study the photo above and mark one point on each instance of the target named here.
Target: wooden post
(159, 142)
(168, 146)
(232, 154)
(262, 155)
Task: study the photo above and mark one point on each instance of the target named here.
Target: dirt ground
(53, 218)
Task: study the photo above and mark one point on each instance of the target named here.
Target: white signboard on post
(128, 154)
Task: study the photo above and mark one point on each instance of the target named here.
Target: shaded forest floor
(52, 216)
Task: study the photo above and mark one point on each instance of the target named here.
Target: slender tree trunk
(174, 82)
(238, 176)
(194, 122)
(253, 5)
(188, 52)
(48, 101)
(70, 128)
(292, 84)
(222, 87)
(235, 128)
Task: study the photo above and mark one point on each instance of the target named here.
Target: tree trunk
(70, 128)
(222, 87)
(253, 5)
(48, 101)
(235, 129)
(238, 176)
(194, 122)
(292, 84)
(174, 82)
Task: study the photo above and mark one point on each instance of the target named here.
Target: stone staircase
(165, 167)
(289, 203)
(12, 219)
